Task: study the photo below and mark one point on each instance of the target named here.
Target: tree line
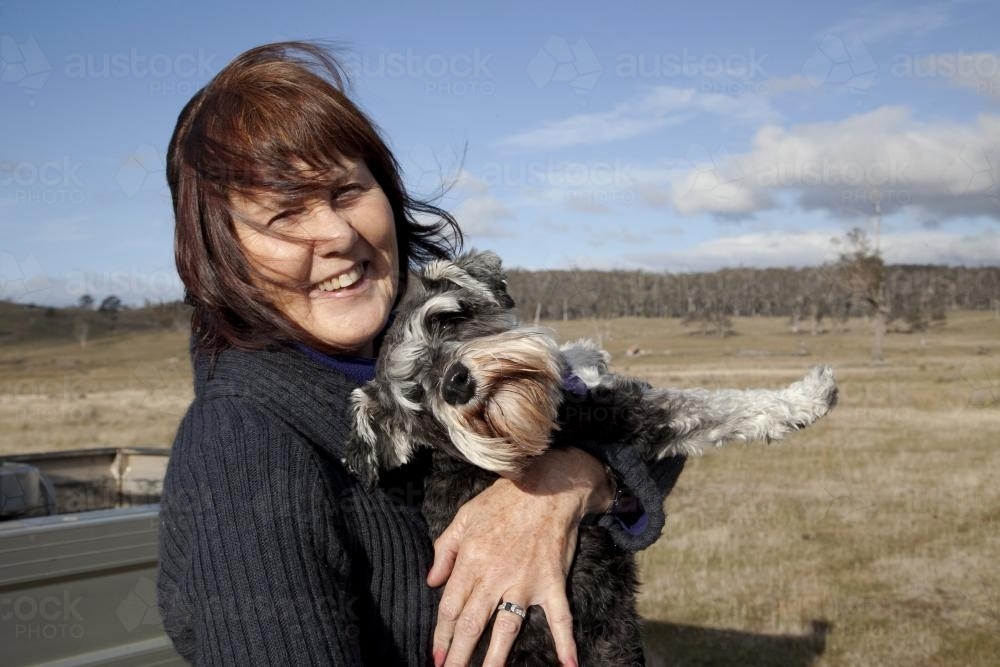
(916, 294)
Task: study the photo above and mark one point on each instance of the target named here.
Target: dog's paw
(817, 393)
(362, 462)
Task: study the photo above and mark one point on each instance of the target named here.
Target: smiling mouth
(344, 280)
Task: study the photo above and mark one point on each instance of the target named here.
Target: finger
(561, 624)
(469, 627)
(506, 626)
(445, 553)
(453, 601)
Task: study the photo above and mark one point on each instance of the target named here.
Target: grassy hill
(21, 323)
(869, 539)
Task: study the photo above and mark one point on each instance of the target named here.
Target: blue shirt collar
(359, 369)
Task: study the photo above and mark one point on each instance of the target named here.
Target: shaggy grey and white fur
(458, 374)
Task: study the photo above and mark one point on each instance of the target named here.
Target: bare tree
(81, 329)
(862, 271)
(796, 317)
(812, 298)
(711, 313)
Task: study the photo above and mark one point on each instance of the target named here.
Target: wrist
(616, 491)
(574, 477)
(601, 489)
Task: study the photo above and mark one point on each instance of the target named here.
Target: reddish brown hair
(276, 120)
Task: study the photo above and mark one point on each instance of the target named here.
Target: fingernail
(439, 657)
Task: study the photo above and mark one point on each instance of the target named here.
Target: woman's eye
(345, 191)
(283, 218)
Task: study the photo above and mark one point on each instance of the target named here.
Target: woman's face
(349, 259)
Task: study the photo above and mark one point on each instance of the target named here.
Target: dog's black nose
(458, 387)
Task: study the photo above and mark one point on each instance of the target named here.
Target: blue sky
(661, 136)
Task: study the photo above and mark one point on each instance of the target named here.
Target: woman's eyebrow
(350, 173)
(277, 216)
(253, 212)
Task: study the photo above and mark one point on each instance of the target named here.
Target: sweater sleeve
(648, 483)
(254, 569)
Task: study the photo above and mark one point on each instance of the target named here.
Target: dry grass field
(871, 539)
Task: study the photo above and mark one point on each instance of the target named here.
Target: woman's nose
(330, 231)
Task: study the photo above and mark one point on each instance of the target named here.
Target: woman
(294, 236)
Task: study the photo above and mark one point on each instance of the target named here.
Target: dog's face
(458, 373)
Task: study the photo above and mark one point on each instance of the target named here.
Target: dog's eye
(416, 393)
(452, 317)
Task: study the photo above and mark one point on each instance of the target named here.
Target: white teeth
(343, 280)
(351, 277)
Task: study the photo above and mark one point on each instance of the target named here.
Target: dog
(458, 374)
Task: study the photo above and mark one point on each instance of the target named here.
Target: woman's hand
(514, 542)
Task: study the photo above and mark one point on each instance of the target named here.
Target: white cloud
(941, 169)
(877, 24)
(811, 248)
(795, 83)
(931, 170)
(468, 182)
(660, 107)
(588, 205)
(481, 216)
(978, 72)
(602, 234)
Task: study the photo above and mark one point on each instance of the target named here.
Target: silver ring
(512, 608)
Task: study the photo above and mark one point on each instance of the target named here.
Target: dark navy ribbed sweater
(271, 553)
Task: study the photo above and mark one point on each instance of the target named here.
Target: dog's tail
(701, 418)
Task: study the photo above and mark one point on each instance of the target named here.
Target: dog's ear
(481, 265)
(374, 444)
(480, 274)
(487, 268)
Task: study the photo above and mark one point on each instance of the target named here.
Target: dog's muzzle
(458, 386)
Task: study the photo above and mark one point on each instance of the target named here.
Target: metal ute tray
(107, 478)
